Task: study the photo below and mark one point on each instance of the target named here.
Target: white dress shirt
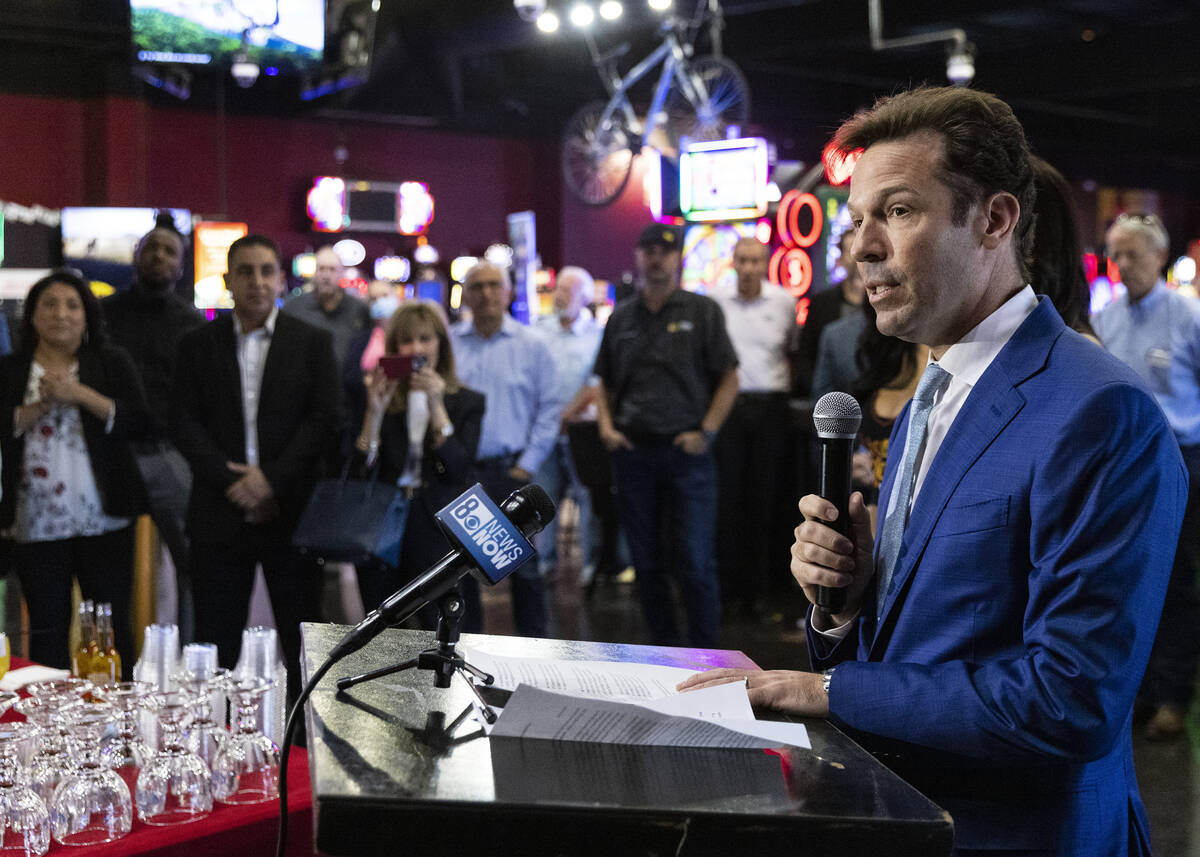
(966, 361)
(252, 350)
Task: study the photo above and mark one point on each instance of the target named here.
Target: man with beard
(148, 321)
(668, 377)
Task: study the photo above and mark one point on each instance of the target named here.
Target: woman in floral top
(69, 402)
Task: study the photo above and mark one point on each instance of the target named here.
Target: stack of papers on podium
(626, 703)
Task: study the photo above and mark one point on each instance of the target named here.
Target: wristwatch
(826, 677)
(709, 437)
(448, 429)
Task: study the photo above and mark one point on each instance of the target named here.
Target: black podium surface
(394, 773)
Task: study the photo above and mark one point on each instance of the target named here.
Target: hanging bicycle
(693, 98)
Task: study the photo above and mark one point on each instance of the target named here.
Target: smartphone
(401, 366)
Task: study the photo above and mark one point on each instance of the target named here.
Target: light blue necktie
(933, 380)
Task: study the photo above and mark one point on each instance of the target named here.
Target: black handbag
(353, 520)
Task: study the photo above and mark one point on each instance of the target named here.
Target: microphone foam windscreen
(837, 415)
(530, 508)
(543, 506)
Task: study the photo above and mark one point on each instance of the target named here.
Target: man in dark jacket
(255, 404)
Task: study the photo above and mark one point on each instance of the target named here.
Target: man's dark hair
(252, 240)
(985, 149)
(165, 222)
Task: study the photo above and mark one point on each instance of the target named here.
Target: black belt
(649, 438)
(762, 396)
(504, 461)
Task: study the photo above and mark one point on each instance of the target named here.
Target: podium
(401, 767)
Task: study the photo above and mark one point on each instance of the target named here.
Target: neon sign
(798, 222)
(724, 180)
(335, 205)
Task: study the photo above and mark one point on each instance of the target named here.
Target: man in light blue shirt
(573, 338)
(1157, 332)
(513, 368)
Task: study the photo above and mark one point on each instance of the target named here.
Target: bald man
(329, 306)
(760, 318)
(513, 368)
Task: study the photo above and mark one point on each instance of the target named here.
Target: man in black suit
(255, 405)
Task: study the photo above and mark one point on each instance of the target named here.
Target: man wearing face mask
(573, 337)
(148, 321)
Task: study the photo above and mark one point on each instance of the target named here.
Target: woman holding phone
(421, 428)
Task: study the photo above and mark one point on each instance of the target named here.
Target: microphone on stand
(491, 542)
(836, 417)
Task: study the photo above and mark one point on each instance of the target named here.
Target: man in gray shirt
(329, 306)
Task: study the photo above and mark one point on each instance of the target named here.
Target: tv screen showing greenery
(288, 35)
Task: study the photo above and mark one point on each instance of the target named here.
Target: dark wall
(121, 151)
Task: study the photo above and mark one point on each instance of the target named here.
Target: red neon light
(1111, 271)
(773, 265)
(818, 220)
(794, 270)
(787, 219)
(1091, 266)
(781, 216)
(802, 311)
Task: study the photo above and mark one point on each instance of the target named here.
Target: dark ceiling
(1108, 89)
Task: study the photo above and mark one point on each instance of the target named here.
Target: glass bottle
(106, 662)
(81, 658)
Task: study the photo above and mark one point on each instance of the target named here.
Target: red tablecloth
(230, 831)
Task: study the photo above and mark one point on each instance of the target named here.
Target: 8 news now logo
(494, 536)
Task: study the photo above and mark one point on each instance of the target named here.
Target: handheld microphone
(836, 417)
(491, 541)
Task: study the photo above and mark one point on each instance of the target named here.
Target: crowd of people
(1006, 566)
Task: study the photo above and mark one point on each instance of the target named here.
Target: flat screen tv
(286, 34)
(100, 242)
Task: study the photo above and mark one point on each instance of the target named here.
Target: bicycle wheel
(596, 159)
(724, 101)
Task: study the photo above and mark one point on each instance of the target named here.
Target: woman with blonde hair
(421, 429)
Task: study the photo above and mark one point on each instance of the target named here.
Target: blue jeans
(531, 608)
(557, 475)
(668, 506)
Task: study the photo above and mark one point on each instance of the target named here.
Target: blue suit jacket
(1001, 677)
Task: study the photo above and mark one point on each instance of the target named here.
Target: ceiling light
(547, 22)
(582, 15)
(659, 5)
(960, 64)
(610, 10)
(530, 10)
(244, 70)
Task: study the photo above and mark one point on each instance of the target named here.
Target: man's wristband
(826, 678)
(710, 436)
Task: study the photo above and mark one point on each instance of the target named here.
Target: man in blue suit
(992, 642)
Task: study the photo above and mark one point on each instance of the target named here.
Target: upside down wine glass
(92, 804)
(124, 750)
(246, 769)
(24, 820)
(52, 761)
(174, 787)
(207, 733)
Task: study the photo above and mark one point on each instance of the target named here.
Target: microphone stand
(443, 659)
